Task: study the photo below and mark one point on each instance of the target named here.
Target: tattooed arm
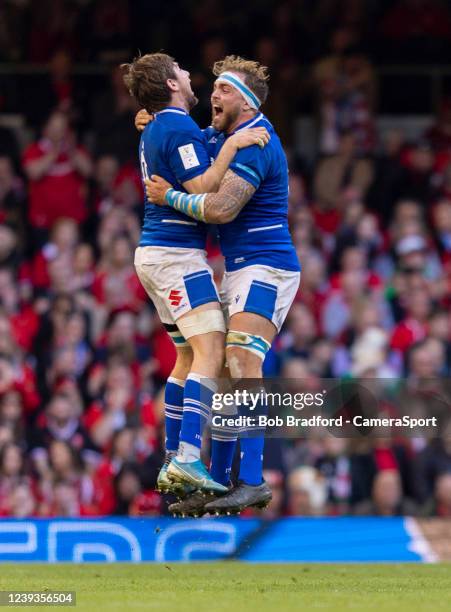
(225, 205)
(221, 207)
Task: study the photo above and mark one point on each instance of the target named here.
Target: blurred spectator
(341, 170)
(387, 497)
(413, 327)
(334, 465)
(419, 180)
(116, 285)
(12, 415)
(275, 480)
(120, 405)
(441, 505)
(389, 175)
(122, 451)
(113, 115)
(58, 90)
(60, 422)
(307, 492)
(430, 463)
(131, 498)
(58, 251)
(56, 168)
(13, 474)
(66, 490)
(345, 87)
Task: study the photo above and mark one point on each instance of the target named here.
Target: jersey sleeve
(187, 154)
(251, 164)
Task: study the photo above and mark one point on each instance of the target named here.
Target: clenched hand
(156, 188)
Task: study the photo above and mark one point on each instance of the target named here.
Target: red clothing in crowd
(141, 407)
(407, 333)
(24, 382)
(119, 289)
(59, 193)
(24, 326)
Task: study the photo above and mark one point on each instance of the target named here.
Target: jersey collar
(172, 109)
(250, 122)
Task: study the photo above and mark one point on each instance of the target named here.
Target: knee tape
(202, 323)
(176, 336)
(248, 342)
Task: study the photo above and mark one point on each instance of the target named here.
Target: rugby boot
(193, 505)
(240, 497)
(165, 485)
(195, 474)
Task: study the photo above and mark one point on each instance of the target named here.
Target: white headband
(235, 81)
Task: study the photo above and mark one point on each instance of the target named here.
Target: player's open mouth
(217, 110)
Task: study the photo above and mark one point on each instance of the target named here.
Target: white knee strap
(177, 338)
(248, 342)
(202, 323)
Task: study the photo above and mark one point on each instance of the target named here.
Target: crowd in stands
(83, 356)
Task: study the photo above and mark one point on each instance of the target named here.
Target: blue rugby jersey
(259, 234)
(174, 147)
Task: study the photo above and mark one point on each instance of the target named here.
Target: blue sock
(252, 441)
(173, 411)
(222, 452)
(251, 465)
(197, 400)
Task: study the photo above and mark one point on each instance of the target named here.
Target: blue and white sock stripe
(191, 404)
(240, 85)
(173, 410)
(224, 437)
(174, 407)
(224, 432)
(186, 203)
(173, 416)
(203, 417)
(173, 413)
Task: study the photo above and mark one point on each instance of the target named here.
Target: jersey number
(144, 170)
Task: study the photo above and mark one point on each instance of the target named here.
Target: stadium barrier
(166, 540)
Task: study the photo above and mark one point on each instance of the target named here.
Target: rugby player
(262, 270)
(171, 261)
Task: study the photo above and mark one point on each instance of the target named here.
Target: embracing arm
(210, 180)
(234, 193)
(222, 207)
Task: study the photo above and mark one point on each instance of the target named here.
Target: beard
(190, 98)
(225, 120)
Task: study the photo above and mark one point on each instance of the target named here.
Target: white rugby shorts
(260, 289)
(176, 279)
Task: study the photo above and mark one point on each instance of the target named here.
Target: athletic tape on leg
(248, 342)
(202, 323)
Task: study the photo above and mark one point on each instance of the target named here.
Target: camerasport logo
(175, 297)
